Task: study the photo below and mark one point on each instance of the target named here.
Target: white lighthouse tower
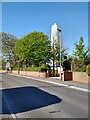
(55, 42)
(54, 35)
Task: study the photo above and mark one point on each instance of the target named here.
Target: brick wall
(81, 77)
(76, 76)
(30, 73)
(2, 71)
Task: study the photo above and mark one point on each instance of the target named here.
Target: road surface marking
(46, 81)
(8, 105)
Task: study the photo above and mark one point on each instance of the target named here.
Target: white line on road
(77, 88)
(9, 107)
(46, 81)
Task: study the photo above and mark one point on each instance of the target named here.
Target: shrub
(43, 68)
(36, 69)
(15, 68)
(88, 70)
(2, 69)
(66, 64)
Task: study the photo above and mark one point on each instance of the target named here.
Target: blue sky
(20, 18)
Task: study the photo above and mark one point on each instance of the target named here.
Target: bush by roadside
(36, 69)
(42, 68)
(2, 69)
(88, 70)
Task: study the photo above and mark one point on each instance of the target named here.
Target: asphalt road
(26, 98)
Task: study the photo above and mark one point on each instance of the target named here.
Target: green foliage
(88, 70)
(80, 56)
(34, 48)
(80, 49)
(55, 52)
(15, 68)
(66, 64)
(2, 69)
(78, 66)
(36, 69)
(8, 43)
(0, 62)
(43, 68)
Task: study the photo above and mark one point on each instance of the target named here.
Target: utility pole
(60, 48)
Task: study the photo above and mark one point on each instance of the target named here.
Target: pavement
(57, 81)
(28, 97)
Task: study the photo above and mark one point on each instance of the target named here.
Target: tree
(80, 55)
(7, 46)
(56, 52)
(66, 64)
(8, 43)
(34, 48)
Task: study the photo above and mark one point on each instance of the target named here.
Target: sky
(21, 18)
(45, 0)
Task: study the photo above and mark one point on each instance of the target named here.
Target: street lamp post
(60, 49)
(53, 57)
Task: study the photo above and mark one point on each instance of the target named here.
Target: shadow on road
(22, 99)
